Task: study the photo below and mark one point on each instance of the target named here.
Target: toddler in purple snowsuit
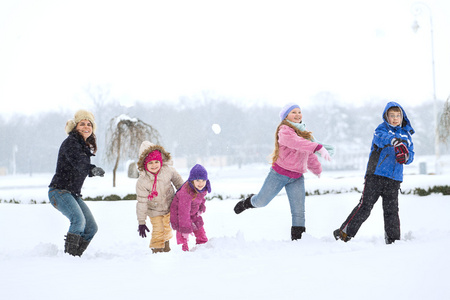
(188, 205)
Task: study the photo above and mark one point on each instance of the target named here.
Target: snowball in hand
(216, 128)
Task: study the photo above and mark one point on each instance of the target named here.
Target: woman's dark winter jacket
(74, 164)
(382, 160)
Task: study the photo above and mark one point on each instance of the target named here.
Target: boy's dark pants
(374, 187)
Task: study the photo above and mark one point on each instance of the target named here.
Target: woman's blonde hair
(304, 134)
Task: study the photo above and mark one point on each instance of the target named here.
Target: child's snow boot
(83, 246)
(157, 250)
(340, 235)
(296, 232)
(243, 205)
(72, 242)
(166, 246)
(185, 247)
(200, 236)
(389, 240)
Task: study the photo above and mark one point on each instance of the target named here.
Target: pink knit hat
(154, 155)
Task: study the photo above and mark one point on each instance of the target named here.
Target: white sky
(258, 51)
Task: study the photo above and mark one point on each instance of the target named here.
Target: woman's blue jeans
(82, 221)
(295, 190)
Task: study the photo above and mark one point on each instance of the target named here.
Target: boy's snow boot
(296, 232)
(82, 246)
(72, 244)
(389, 240)
(340, 235)
(166, 246)
(200, 236)
(243, 205)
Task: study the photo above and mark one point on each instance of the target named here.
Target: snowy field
(249, 256)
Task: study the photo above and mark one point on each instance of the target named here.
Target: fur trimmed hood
(147, 147)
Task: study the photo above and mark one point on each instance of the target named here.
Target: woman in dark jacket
(72, 168)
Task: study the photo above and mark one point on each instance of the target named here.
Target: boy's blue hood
(405, 123)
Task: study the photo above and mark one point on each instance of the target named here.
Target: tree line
(31, 144)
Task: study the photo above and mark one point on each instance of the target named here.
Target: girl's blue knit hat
(199, 172)
(287, 109)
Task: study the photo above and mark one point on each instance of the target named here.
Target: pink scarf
(154, 155)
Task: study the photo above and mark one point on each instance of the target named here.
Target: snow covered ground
(249, 256)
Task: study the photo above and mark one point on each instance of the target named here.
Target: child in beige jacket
(155, 191)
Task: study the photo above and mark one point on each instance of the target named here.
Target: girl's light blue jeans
(295, 190)
(82, 221)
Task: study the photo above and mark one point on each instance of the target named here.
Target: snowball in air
(216, 128)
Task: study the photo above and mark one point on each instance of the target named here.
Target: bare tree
(444, 124)
(124, 137)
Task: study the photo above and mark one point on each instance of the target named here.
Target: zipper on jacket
(387, 155)
(393, 170)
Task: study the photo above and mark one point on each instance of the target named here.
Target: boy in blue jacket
(392, 147)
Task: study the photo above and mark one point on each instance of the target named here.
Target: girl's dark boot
(296, 232)
(72, 244)
(82, 246)
(166, 246)
(243, 205)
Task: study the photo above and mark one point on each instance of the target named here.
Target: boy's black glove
(401, 153)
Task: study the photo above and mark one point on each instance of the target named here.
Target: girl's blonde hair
(304, 134)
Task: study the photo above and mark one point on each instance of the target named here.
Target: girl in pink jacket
(294, 154)
(188, 205)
